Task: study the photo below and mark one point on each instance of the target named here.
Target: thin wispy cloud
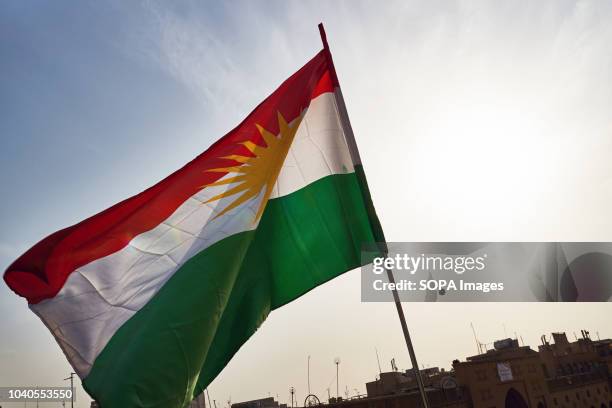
(227, 73)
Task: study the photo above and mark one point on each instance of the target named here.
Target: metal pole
(337, 362)
(208, 396)
(352, 145)
(413, 359)
(309, 374)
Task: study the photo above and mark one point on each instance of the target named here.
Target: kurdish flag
(151, 298)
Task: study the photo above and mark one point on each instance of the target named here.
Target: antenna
(478, 344)
(378, 360)
(522, 341)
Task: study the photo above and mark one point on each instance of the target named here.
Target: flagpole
(352, 145)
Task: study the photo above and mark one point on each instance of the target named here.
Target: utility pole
(71, 378)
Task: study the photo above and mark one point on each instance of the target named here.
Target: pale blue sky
(475, 120)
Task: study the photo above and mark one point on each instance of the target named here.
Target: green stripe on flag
(173, 347)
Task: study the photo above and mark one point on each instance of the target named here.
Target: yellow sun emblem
(259, 171)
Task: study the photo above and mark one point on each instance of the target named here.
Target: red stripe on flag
(41, 272)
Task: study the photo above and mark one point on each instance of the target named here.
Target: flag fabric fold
(151, 298)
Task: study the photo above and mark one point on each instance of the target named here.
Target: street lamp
(337, 362)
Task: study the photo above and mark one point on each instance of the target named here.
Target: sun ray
(246, 196)
(268, 137)
(232, 169)
(250, 145)
(238, 158)
(226, 181)
(230, 192)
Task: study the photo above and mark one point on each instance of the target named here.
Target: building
(397, 382)
(560, 374)
(269, 402)
(507, 375)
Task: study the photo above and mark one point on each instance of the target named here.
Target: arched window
(515, 400)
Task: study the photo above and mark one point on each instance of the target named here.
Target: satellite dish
(311, 401)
